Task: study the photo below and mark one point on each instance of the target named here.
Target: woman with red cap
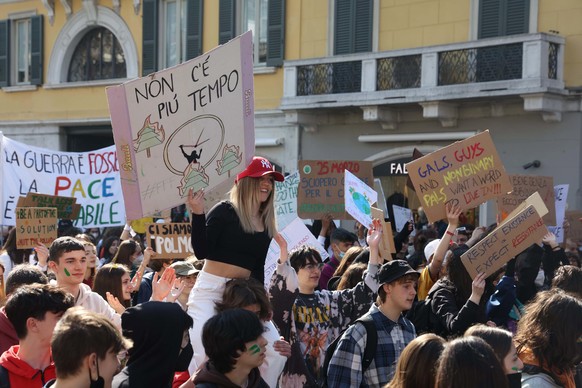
(234, 238)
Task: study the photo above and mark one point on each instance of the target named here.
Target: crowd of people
(104, 309)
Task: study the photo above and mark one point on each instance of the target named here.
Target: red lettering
(62, 183)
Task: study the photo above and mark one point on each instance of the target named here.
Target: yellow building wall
(63, 103)
(564, 16)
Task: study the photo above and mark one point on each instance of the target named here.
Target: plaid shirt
(345, 368)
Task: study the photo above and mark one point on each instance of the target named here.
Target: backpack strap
(534, 370)
(4, 380)
(371, 340)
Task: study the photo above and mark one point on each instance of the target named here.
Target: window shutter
(343, 27)
(36, 47)
(489, 18)
(517, 17)
(150, 37)
(195, 15)
(226, 23)
(276, 33)
(4, 52)
(363, 26)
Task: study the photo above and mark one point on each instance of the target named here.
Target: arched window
(97, 56)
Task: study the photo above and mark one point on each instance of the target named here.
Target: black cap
(393, 270)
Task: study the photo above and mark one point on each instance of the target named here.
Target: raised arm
(196, 205)
(434, 267)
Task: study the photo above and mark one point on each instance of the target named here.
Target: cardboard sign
(359, 199)
(575, 230)
(35, 225)
(387, 243)
(521, 229)
(465, 173)
(561, 196)
(296, 234)
(67, 208)
(321, 186)
(523, 187)
(187, 127)
(170, 240)
(286, 200)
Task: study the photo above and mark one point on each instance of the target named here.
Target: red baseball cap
(260, 167)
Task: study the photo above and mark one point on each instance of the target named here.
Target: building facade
(334, 79)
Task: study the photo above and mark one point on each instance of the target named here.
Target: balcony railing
(528, 63)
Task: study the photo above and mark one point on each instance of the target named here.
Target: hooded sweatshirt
(22, 375)
(8, 335)
(209, 375)
(157, 330)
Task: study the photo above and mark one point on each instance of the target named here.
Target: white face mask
(540, 278)
(138, 259)
(95, 234)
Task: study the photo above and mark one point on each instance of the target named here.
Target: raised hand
(282, 347)
(477, 288)
(453, 213)
(176, 291)
(196, 201)
(135, 282)
(374, 234)
(280, 240)
(115, 303)
(42, 254)
(162, 285)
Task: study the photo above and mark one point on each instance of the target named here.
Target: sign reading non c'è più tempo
(170, 240)
(322, 184)
(466, 173)
(189, 127)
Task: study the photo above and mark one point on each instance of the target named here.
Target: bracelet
(449, 233)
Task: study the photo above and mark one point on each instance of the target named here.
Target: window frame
(15, 43)
(181, 26)
(474, 18)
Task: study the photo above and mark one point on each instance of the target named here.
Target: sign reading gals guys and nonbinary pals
(187, 127)
(466, 173)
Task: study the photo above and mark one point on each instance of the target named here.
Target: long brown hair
(469, 362)
(17, 256)
(417, 365)
(550, 329)
(244, 196)
(352, 276)
(124, 252)
(108, 279)
(348, 259)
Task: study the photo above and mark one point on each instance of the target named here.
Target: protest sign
(90, 177)
(67, 208)
(574, 232)
(359, 199)
(187, 127)
(170, 240)
(402, 215)
(296, 234)
(35, 225)
(387, 243)
(561, 197)
(286, 200)
(321, 186)
(522, 228)
(523, 187)
(465, 173)
(380, 191)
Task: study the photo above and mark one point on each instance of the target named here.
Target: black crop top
(220, 237)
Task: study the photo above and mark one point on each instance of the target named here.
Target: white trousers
(201, 307)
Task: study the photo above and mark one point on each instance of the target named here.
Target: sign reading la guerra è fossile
(465, 173)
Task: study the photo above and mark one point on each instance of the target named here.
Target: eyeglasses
(313, 267)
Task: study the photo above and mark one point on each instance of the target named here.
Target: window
(21, 51)
(172, 33)
(353, 26)
(503, 17)
(97, 56)
(265, 18)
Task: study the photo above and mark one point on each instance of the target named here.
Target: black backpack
(369, 352)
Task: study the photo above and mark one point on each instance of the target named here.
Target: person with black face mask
(161, 345)
(501, 341)
(86, 348)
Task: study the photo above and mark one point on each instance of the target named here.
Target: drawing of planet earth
(361, 203)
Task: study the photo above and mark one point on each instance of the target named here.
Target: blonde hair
(244, 196)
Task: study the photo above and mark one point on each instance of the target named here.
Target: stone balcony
(439, 78)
